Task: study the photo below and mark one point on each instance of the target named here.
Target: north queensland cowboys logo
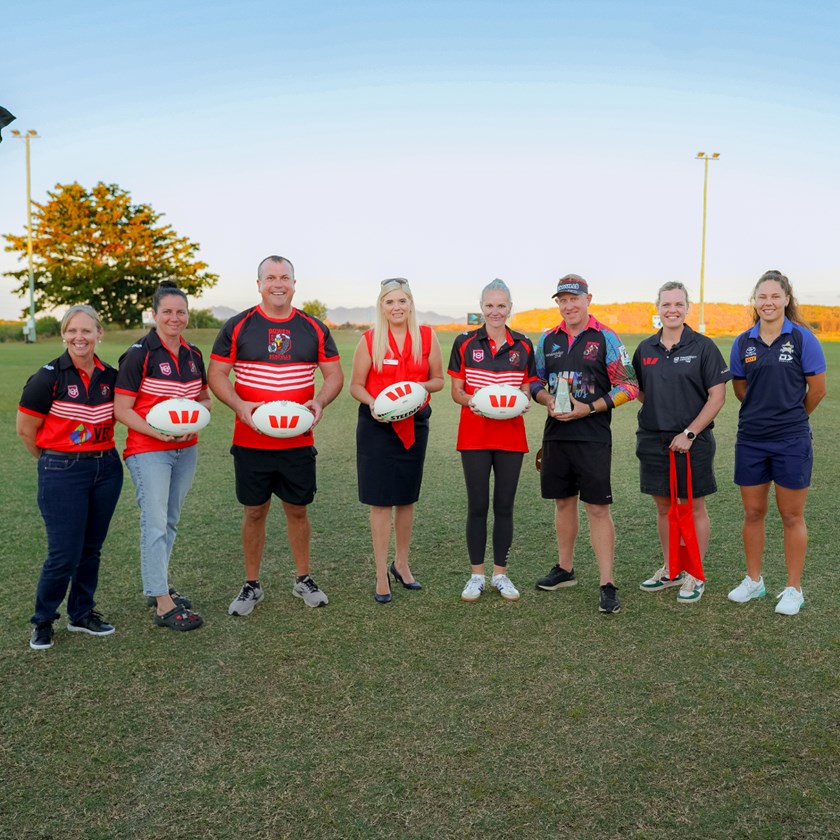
(786, 352)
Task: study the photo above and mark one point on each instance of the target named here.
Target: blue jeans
(77, 500)
(161, 483)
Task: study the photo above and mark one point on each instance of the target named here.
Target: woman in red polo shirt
(492, 354)
(159, 367)
(390, 456)
(66, 420)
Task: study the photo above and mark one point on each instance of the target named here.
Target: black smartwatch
(592, 408)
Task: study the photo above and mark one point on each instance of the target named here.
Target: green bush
(47, 327)
(203, 319)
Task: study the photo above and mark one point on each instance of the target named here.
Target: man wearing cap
(577, 444)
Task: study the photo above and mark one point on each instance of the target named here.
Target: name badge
(390, 361)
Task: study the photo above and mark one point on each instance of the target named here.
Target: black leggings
(506, 466)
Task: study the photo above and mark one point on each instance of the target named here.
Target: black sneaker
(181, 601)
(557, 578)
(91, 623)
(42, 636)
(609, 600)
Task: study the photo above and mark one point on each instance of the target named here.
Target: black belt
(77, 456)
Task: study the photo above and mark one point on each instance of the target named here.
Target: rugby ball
(400, 400)
(178, 417)
(283, 419)
(500, 402)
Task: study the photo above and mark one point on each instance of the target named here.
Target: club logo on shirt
(165, 368)
(478, 355)
(73, 391)
(786, 352)
(81, 434)
(279, 343)
(513, 357)
(590, 352)
(193, 368)
(686, 359)
(650, 360)
(105, 390)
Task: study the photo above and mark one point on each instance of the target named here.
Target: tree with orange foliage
(97, 247)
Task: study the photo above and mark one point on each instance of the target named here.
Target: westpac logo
(183, 416)
(650, 360)
(398, 392)
(502, 400)
(282, 421)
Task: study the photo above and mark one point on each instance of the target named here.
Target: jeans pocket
(56, 464)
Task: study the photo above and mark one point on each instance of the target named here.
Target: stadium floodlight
(706, 158)
(29, 329)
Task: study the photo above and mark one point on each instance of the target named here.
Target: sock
(302, 578)
(254, 583)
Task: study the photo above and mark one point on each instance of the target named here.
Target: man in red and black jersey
(273, 350)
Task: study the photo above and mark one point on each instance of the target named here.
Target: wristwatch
(689, 434)
(592, 408)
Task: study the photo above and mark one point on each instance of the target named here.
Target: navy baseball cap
(572, 284)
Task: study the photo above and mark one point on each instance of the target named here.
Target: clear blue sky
(448, 142)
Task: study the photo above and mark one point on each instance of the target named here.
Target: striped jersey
(273, 359)
(150, 373)
(78, 410)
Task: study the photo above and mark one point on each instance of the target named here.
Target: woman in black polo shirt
(66, 420)
(682, 387)
(492, 354)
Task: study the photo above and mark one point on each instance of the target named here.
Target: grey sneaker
(308, 590)
(248, 598)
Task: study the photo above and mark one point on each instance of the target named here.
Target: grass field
(426, 718)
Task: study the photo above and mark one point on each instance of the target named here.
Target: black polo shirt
(676, 382)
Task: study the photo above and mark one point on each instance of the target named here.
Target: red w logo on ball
(283, 421)
(180, 417)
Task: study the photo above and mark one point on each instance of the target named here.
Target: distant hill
(364, 315)
(223, 312)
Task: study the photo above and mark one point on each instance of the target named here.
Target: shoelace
(502, 582)
(310, 584)
(247, 593)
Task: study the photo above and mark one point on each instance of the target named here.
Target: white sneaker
(791, 600)
(506, 588)
(660, 580)
(473, 589)
(691, 591)
(311, 594)
(747, 590)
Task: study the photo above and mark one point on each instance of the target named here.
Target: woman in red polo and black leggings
(490, 355)
(66, 420)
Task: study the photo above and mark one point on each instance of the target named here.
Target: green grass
(428, 718)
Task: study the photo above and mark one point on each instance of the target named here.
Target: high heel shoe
(381, 599)
(415, 584)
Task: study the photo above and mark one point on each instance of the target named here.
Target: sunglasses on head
(399, 280)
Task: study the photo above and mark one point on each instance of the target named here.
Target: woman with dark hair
(161, 366)
(682, 387)
(778, 370)
(491, 355)
(66, 420)
(390, 456)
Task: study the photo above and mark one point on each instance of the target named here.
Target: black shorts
(655, 467)
(576, 467)
(289, 474)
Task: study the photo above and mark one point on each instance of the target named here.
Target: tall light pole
(706, 158)
(29, 330)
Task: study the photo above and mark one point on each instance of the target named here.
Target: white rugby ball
(500, 402)
(283, 419)
(178, 417)
(400, 400)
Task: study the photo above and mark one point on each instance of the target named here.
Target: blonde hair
(380, 326)
(496, 286)
(85, 310)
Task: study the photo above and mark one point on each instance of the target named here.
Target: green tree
(316, 308)
(97, 247)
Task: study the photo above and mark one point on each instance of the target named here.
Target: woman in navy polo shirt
(492, 354)
(390, 456)
(682, 387)
(66, 420)
(161, 366)
(778, 370)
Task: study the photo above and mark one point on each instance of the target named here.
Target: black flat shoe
(381, 599)
(415, 584)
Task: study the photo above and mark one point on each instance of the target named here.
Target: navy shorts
(576, 467)
(288, 474)
(788, 463)
(655, 466)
